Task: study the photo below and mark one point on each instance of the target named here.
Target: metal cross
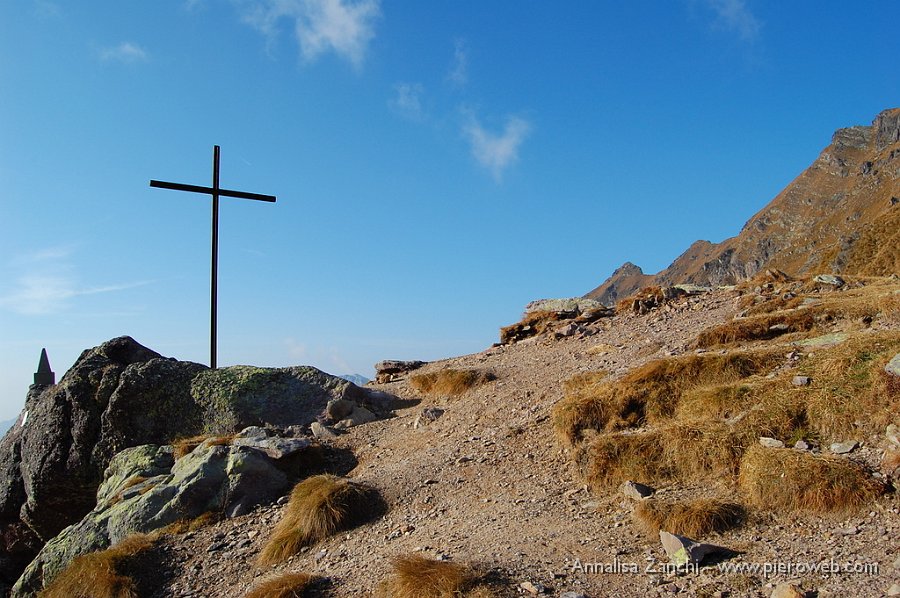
(216, 192)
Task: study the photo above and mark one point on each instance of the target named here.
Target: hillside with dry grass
(841, 215)
(760, 419)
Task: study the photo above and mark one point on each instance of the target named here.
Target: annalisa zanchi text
(617, 567)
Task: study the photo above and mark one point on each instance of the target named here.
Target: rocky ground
(488, 483)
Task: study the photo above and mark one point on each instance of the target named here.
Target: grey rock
(893, 435)
(338, 409)
(358, 417)
(693, 289)
(573, 305)
(321, 431)
(842, 448)
(829, 279)
(787, 590)
(770, 442)
(801, 381)
(394, 369)
(779, 328)
(213, 477)
(573, 595)
(637, 491)
(682, 550)
(894, 590)
(893, 366)
(801, 445)
(274, 447)
(567, 330)
(532, 588)
(429, 415)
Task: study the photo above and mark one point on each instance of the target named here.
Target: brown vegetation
(99, 574)
(791, 480)
(283, 585)
(533, 323)
(319, 506)
(763, 327)
(183, 526)
(415, 576)
(694, 518)
(183, 446)
(449, 382)
(651, 393)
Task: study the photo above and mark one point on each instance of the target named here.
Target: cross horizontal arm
(210, 191)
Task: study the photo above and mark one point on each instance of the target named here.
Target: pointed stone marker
(44, 375)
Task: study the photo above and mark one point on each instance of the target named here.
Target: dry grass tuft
(851, 392)
(789, 480)
(653, 295)
(694, 518)
(449, 382)
(651, 393)
(184, 446)
(99, 574)
(607, 460)
(415, 576)
(284, 585)
(182, 526)
(763, 327)
(319, 506)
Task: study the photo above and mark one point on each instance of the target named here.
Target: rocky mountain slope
(842, 214)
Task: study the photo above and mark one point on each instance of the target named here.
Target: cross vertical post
(216, 192)
(214, 299)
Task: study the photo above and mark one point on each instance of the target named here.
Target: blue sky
(437, 164)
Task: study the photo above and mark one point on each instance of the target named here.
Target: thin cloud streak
(459, 72)
(45, 294)
(126, 53)
(320, 26)
(734, 15)
(496, 151)
(407, 101)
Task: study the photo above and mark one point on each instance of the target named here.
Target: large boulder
(120, 395)
(146, 489)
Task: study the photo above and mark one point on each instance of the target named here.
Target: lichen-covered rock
(121, 395)
(145, 489)
(235, 397)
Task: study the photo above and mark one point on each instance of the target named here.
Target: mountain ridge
(840, 215)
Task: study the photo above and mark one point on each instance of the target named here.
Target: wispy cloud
(126, 52)
(344, 27)
(496, 151)
(459, 71)
(735, 16)
(46, 9)
(47, 282)
(407, 100)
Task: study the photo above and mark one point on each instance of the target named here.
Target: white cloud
(48, 283)
(126, 52)
(496, 151)
(734, 15)
(459, 72)
(407, 100)
(342, 26)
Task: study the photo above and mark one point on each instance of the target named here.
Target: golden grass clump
(283, 585)
(607, 460)
(449, 382)
(693, 518)
(851, 392)
(184, 446)
(790, 480)
(100, 574)
(415, 576)
(653, 295)
(762, 327)
(319, 506)
(651, 393)
(183, 526)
